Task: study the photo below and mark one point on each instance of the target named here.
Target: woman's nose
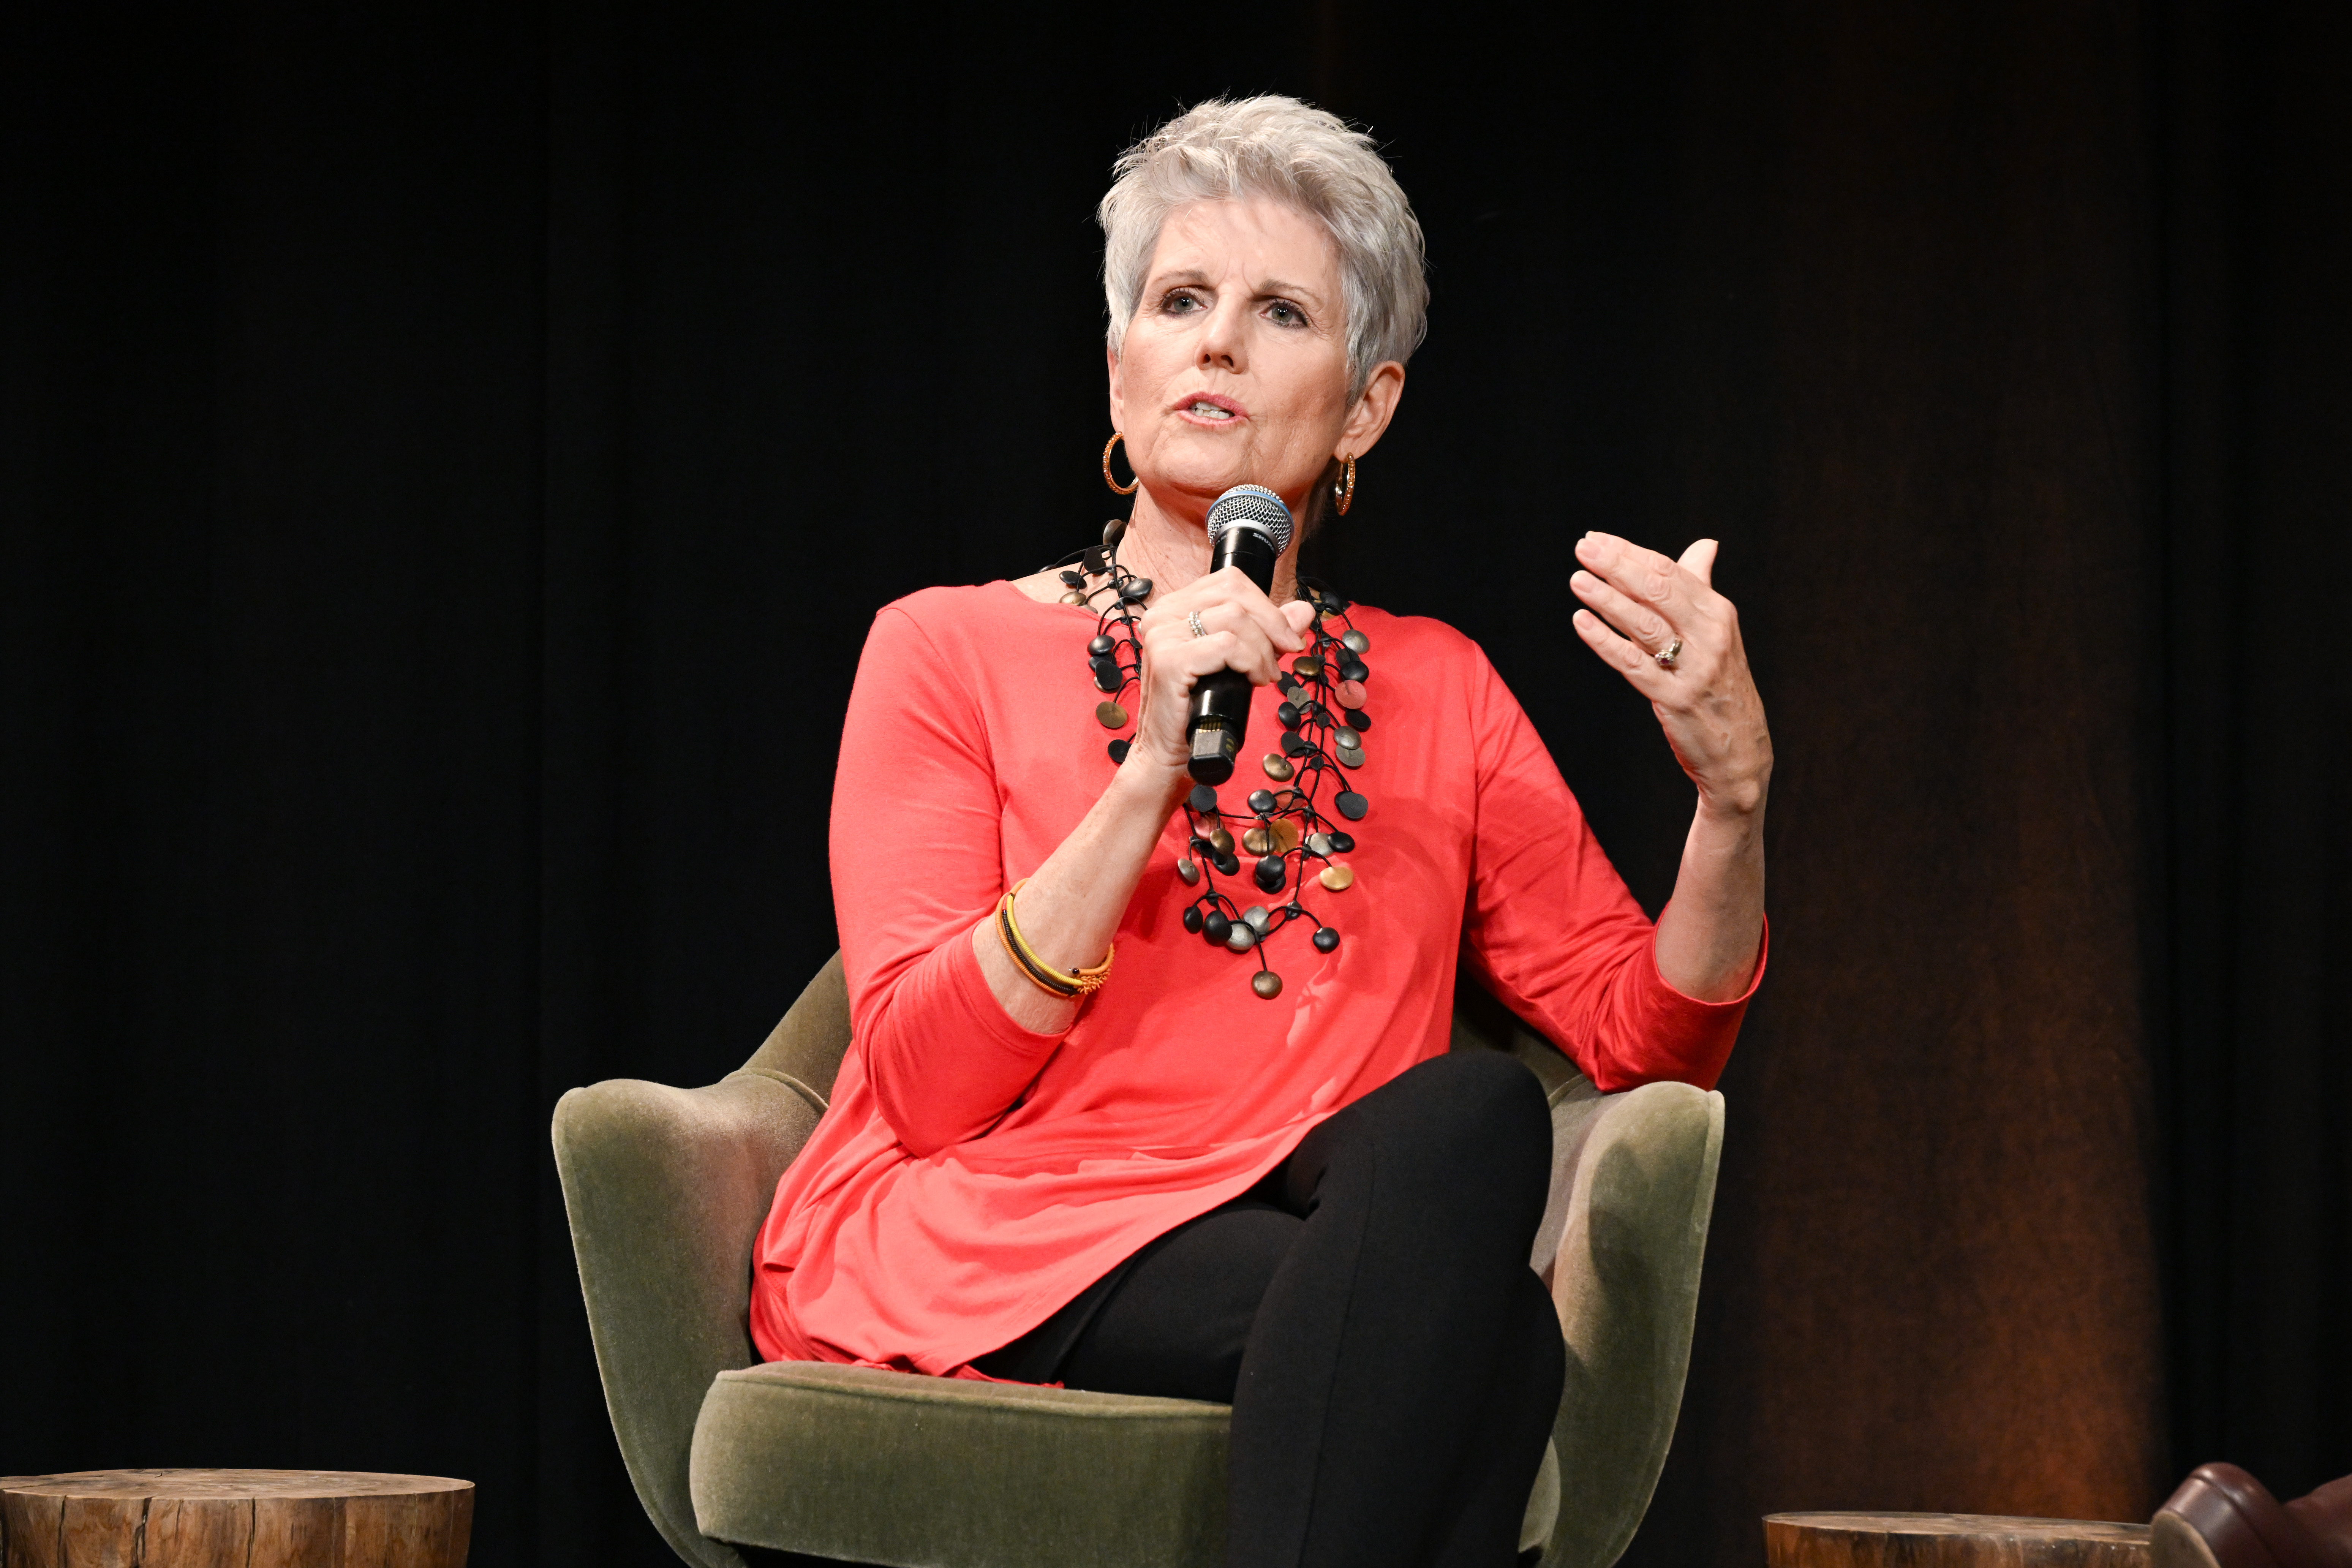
(1222, 338)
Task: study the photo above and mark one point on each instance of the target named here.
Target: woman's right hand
(1241, 629)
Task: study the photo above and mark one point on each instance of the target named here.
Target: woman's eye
(1179, 304)
(1283, 313)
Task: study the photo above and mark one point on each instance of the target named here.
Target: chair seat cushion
(921, 1472)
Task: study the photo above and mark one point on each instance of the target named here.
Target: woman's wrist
(1738, 805)
(1150, 788)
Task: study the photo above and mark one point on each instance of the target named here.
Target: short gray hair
(1305, 157)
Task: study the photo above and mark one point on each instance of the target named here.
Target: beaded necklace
(1282, 828)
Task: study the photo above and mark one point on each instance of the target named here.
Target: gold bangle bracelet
(1044, 976)
(1046, 983)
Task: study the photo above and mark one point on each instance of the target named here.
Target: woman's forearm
(1709, 935)
(1071, 906)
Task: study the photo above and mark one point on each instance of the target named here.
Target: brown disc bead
(1110, 715)
(1307, 667)
(1277, 766)
(1222, 839)
(1188, 871)
(1337, 878)
(1286, 836)
(1256, 841)
(1266, 984)
(1073, 597)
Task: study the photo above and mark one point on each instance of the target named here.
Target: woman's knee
(1474, 1116)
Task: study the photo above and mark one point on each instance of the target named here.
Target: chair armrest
(666, 1189)
(1636, 1188)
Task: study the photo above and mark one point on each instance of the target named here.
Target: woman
(1148, 1089)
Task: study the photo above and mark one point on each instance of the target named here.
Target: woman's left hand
(1706, 700)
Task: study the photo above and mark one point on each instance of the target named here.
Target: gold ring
(1674, 651)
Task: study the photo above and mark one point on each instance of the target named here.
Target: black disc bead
(1192, 921)
(1270, 873)
(1261, 801)
(1118, 751)
(1354, 669)
(1204, 799)
(1326, 939)
(1345, 843)
(1289, 714)
(1228, 865)
(1359, 720)
(1351, 806)
(1100, 646)
(1216, 927)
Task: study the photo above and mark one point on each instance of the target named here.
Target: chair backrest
(666, 1189)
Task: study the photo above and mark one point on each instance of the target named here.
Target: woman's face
(1234, 370)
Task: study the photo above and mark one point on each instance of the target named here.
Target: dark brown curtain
(449, 455)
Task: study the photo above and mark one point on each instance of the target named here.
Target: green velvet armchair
(666, 1188)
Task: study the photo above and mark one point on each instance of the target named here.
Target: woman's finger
(1230, 638)
(1630, 660)
(1699, 561)
(1231, 590)
(1639, 622)
(1646, 576)
(1251, 641)
(1233, 586)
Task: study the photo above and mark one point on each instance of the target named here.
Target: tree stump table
(1947, 1541)
(234, 1519)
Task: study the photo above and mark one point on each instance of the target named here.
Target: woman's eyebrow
(1275, 288)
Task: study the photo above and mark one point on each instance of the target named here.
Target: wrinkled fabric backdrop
(449, 455)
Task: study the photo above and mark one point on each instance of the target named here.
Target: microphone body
(1249, 528)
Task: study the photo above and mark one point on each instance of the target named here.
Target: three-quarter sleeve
(917, 863)
(1553, 930)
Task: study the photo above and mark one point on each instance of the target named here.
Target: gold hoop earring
(1341, 500)
(1116, 488)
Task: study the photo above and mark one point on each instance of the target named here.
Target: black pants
(1393, 1362)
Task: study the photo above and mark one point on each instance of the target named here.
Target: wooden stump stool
(234, 1519)
(1947, 1541)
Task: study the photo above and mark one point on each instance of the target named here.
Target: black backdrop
(449, 455)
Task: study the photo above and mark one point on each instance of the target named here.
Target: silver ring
(1193, 621)
(1674, 651)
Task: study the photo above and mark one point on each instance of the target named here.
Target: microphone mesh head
(1251, 506)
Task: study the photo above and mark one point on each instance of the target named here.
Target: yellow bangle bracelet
(1044, 976)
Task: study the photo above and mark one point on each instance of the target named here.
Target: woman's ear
(1118, 389)
(1373, 410)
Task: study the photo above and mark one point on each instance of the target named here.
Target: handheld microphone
(1249, 528)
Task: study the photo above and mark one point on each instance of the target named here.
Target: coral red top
(922, 1225)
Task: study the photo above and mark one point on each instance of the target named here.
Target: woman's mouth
(1211, 409)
